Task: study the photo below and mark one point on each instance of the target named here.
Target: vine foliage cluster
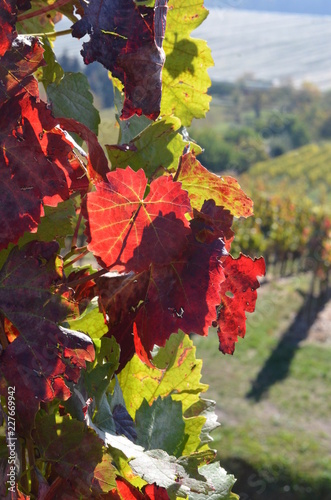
(100, 388)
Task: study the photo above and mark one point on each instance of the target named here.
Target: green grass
(285, 435)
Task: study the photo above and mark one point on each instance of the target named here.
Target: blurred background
(269, 126)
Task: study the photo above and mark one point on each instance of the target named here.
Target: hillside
(305, 170)
(318, 7)
(269, 46)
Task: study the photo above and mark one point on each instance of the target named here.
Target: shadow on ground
(277, 366)
(274, 483)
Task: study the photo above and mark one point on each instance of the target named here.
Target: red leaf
(154, 492)
(33, 163)
(203, 185)
(211, 223)
(98, 163)
(181, 295)
(126, 230)
(127, 40)
(149, 491)
(37, 163)
(44, 356)
(8, 16)
(238, 296)
(17, 67)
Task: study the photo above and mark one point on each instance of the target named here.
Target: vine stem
(47, 8)
(85, 279)
(24, 477)
(50, 34)
(80, 256)
(75, 236)
(32, 463)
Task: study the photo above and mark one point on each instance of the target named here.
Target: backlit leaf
(83, 466)
(156, 149)
(44, 356)
(124, 38)
(127, 229)
(149, 492)
(203, 185)
(238, 296)
(179, 376)
(185, 78)
(8, 11)
(52, 72)
(55, 225)
(17, 66)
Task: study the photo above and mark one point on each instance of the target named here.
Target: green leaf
(220, 484)
(156, 466)
(183, 478)
(204, 408)
(75, 454)
(157, 148)
(161, 426)
(38, 24)
(72, 98)
(185, 80)
(135, 124)
(193, 429)
(178, 374)
(55, 225)
(203, 185)
(52, 72)
(91, 321)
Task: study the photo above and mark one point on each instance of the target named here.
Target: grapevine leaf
(149, 492)
(84, 468)
(36, 160)
(43, 356)
(71, 98)
(139, 230)
(179, 304)
(43, 23)
(156, 149)
(182, 295)
(55, 225)
(156, 466)
(161, 426)
(239, 295)
(33, 161)
(204, 408)
(112, 416)
(8, 11)
(120, 296)
(124, 38)
(211, 223)
(185, 78)
(17, 66)
(91, 321)
(219, 481)
(179, 376)
(97, 162)
(203, 185)
(52, 72)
